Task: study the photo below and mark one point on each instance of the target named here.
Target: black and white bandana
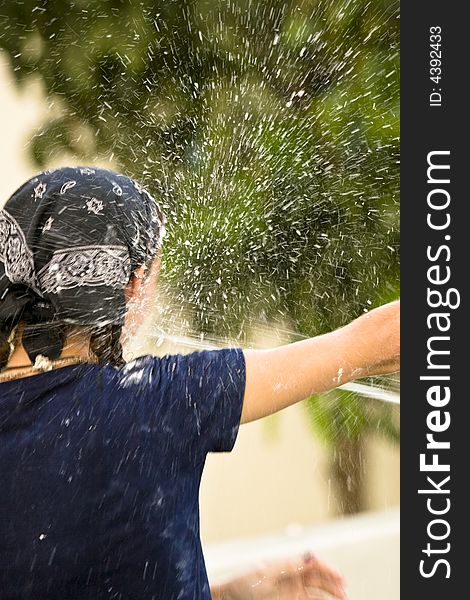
(70, 239)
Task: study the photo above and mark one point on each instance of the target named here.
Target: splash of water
(375, 389)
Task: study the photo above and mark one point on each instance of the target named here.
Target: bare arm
(279, 377)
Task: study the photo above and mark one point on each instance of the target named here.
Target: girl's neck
(77, 346)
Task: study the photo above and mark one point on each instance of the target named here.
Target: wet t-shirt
(100, 471)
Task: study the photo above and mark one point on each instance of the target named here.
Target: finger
(313, 565)
(321, 576)
(309, 568)
(333, 588)
(297, 577)
(312, 593)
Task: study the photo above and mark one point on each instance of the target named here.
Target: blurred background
(269, 133)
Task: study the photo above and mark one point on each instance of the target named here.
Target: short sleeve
(204, 393)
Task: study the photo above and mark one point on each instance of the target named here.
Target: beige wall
(277, 475)
(20, 113)
(276, 480)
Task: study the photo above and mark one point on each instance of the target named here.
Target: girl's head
(75, 245)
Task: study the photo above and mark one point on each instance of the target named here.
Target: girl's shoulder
(181, 364)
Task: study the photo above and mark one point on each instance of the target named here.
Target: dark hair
(4, 348)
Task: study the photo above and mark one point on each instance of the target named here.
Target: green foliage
(341, 413)
(268, 130)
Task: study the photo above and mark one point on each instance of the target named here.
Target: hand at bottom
(304, 579)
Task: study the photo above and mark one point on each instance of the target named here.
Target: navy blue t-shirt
(100, 471)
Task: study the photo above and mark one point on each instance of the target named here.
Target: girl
(101, 460)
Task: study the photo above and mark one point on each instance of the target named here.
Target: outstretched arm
(279, 377)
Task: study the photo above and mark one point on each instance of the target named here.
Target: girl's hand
(380, 329)
(304, 579)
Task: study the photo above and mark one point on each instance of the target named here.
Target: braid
(105, 344)
(5, 348)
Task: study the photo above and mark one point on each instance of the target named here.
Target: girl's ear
(133, 288)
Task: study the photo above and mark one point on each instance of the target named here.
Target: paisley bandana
(70, 239)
